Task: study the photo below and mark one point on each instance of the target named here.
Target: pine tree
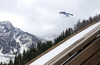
(39, 50)
(91, 20)
(10, 62)
(44, 47)
(20, 59)
(1, 63)
(16, 61)
(24, 57)
(48, 44)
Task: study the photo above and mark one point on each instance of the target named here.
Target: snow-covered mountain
(50, 37)
(14, 40)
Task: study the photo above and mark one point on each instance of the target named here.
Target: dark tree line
(22, 59)
(64, 35)
(85, 23)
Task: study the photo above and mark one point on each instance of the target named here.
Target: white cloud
(26, 3)
(41, 17)
(16, 20)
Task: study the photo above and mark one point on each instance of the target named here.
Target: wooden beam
(86, 53)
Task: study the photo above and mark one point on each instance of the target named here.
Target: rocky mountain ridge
(14, 40)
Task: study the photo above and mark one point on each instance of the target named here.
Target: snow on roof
(48, 56)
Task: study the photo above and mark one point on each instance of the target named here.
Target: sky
(41, 17)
